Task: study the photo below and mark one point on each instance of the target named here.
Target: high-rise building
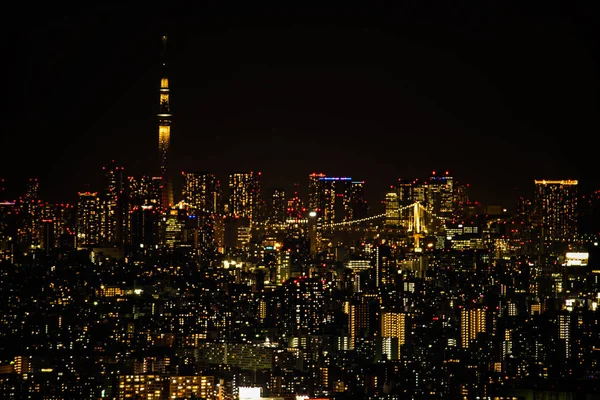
(202, 192)
(355, 204)
(244, 195)
(164, 134)
(88, 222)
(144, 190)
(441, 194)
(143, 196)
(358, 321)
(392, 208)
(112, 208)
(326, 196)
(393, 333)
(28, 233)
(472, 322)
(295, 206)
(278, 206)
(315, 191)
(556, 206)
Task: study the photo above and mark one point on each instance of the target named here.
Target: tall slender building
(164, 134)
(556, 206)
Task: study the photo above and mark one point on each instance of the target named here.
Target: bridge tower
(417, 227)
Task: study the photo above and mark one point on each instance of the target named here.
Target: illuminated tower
(164, 134)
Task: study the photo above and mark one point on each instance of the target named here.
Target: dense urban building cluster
(239, 292)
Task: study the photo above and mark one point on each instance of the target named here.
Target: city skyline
(293, 94)
(246, 203)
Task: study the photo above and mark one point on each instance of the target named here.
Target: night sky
(499, 95)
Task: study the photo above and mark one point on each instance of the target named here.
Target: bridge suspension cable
(357, 221)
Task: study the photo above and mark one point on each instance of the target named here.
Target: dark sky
(498, 94)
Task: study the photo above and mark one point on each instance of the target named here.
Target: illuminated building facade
(164, 135)
(392, 208)
(144, 190)
(304, 305)
(330, 196)
(190, 387)
(202, 191)
(358, 321)
(148, 387)
(278, 206)
(393, 333)
(295, 206)
(8, 229)
(441, 194)
(315, 191)
(355, 204)
(88, 221)
(472, 322)
(556, 205)
(143, 196)
(28, 233)
(112, 207)
(244, 195)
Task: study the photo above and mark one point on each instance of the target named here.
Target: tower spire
(164, 132)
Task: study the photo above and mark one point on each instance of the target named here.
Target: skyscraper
(278, 206)
(88, 224)
(244, 195)
(164, 134)
(202, 191)
(111, 212)
(315, 191)
(556, 205)
(355, 204)
(326, 196)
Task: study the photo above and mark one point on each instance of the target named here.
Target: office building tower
(278, 206)
(295, 206)
(555, 202)
(441, 194)
(164, 134)
(144, 190)
(406, 196)
(392, 208)
(88, 221)
(244, 195)
(202, 192)
(326, 196)
(112, 208)
(144, 227)
(355, 204)
(142, 197)
(315, 192)
(28, 207)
